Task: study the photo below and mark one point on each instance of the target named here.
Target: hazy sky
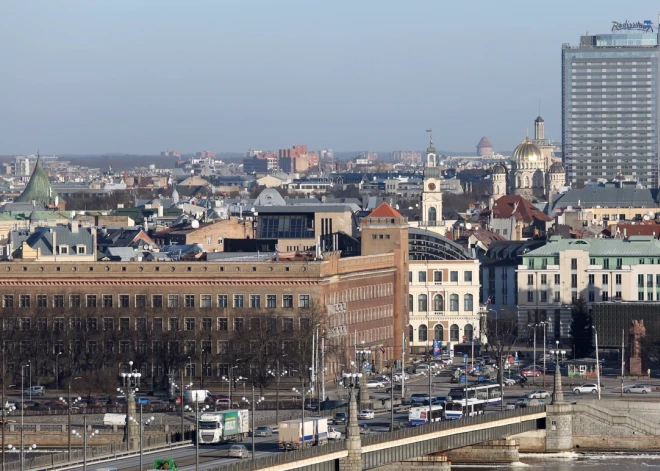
(140, 76)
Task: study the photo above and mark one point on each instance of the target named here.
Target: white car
(509, 382)
(366, 414)
(586, 389)
(373, 383)
(537, 394)
(637, 388)
(239, 451)
(334, 434)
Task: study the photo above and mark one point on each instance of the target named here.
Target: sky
(141, 76)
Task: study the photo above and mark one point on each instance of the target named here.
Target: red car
(532, 372)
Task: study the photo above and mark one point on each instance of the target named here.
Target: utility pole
(183, 435)
(252, 425)
(322, 369)
(623, 361)
(277, 395)
(403, 367)
(597, 362)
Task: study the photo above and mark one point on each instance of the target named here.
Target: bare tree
(502, 335)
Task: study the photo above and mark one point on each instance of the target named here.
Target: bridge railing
(449, 424)
(281, 458)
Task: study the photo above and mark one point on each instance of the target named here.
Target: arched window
(438, 303)
(421, 303)
(467, 302)
(432, 214)
(411, 334)
(526, 181)
(422, 333)
(453, 333)
(497, 190)
(468, 331)
(411, 301)
(453, 302)
(438, 332)
(519, 182)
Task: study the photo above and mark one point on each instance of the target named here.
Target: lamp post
(130, 382)
(84, 436)
(141, 425)
(197, 413)
(534, 354)
(277, 374)
(252, 419)
(22, 415)
(597, 362)
(22, 451)
(57, 370)
(68, 411)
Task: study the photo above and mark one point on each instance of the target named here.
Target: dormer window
(80, 249)
(64, 249)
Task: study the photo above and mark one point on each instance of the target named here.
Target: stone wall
(495, 451)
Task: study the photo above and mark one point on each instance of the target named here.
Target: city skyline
(121, 77)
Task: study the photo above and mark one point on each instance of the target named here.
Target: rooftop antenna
(430, 131)
(539, 107)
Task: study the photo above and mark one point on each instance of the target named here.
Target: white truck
(114, 419)
(333, 433)
(294, 435)
(221, 427)
(195, 395)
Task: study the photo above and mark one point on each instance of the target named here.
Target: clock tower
(431, 194)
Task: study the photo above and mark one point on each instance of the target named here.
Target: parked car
(263, 432)
(372, 383)
(419, 398)
(53, 404)
(366, 414)
(637, 388)
(35, 391)
(397, 389)
(511, 405)
(537, 394)
(340, 418)
(364, 429)
(586, 389)
(333, 434)
(509, 381)
(383, 379)
(239, 451)
(530, 371)
(158, 403)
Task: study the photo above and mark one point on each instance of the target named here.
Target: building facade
(610, 102)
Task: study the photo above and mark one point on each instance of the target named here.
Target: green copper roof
(38, 188)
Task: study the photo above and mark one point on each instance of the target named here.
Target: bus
(420, 415)
(457, 409)
(489, 393)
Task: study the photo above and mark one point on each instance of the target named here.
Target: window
(141, 324)
(606, 263)
(140, 301)
(411, 302)
(592, 296)
(124, 301)
(649, 281)
(606, 296)
(238, 323)
(189, 300)
(592, 279)
(107, 300)
(271, 324)
(467, 276)
(157, 301)
(410, 276)
(544, 279)
(24, 324)
(422, 333)
(619, 263)
(108, 323)
(530, 296)
(24, 300)
(206, 323)
(158, 324)
(125, 323)
(421, 276)
(438, 332)
(467, 302)
(574, 264)
(190, 323)
(173, 301)
(287, 301)
(74, 300)
(238, 301)
(42, 325)
(573, 281)
(421, 303)
(271, 301)
(438, 303)
(92, 324)
(437, 276)
(453, 276)
(304, 300)
(205, 301)
(255, 301)
(453, 333)
(468, 332)
(223, 324)
(557, 278)
(605, 279)
(42, 300)
(223, 347)
(8, 300)
(640, 281)
(544, 296)
(530, 280)
(411, 334)
(92, 346)
(453, 302)
(173, 323)
(58, 324)
(222, 300)
(255, 323)
(287, 324)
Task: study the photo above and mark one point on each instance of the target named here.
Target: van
(35, 391)
(423, 397)
(421, 369)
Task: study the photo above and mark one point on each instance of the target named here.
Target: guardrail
(94, 454)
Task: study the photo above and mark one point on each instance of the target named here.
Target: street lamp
(277, 374)
(141, 425)
(22, 415)
(197, 414)
(22, 451)
(69, 406)
(253, 404)
(130, 383)
(84, 436)
(57, 370)
(597, 362)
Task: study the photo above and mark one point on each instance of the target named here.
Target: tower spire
(430, 131)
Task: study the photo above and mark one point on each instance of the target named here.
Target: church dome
(538, 120)
(484, 142)
(556, 168)
(499, 169)
(38, 188)
(527, 152)
(433, 172)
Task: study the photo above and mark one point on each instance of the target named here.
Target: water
(576, 462)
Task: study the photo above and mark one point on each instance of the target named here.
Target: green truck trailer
(221, 427)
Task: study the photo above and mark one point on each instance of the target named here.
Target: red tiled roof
(385, 211)
(627, 230)
(517, 206)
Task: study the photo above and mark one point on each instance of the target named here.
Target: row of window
(439, 302)
(437, 276)
(438, 333)
(157, 324)
(157, 301)
(361, 293)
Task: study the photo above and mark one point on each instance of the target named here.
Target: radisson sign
(645, 26)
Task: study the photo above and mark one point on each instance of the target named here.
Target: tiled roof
(38, 188)
(517, 206)
(385, 211)
(627, 230)
(591, 197)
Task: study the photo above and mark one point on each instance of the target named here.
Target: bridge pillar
(364, 392)
(353, 462)
(559, 420)
(423, 463)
